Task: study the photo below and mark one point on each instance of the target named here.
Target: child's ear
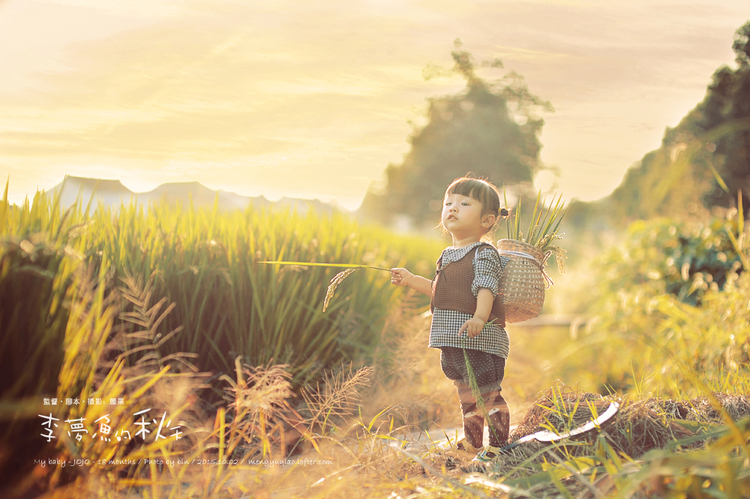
(488, 221)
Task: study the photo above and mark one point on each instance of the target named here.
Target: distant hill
(704, 162)
(112, 193)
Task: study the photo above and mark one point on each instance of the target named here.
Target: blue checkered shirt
(488, 266)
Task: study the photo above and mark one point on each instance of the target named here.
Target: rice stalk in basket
(544, 225)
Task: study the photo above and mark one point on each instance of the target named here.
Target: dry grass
(409, 379)
(351, 430)
(638, 429)
(357, 455)
(559, 407)
(638, 426)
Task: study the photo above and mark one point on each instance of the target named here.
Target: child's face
(463, 217)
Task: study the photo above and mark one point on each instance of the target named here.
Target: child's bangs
(472, 188)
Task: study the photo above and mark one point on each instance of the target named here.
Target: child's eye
(465, 203)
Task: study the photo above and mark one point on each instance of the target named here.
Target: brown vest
(451, 288)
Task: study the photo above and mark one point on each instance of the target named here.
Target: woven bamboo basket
(522, 283)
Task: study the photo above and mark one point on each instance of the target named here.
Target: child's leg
(498, 421)
(490, 372)
(454, 367)
(473, 421)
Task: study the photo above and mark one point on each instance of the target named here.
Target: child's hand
(472, 327)
(401, 277)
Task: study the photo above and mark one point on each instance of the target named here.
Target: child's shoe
(465, 449)
(488, 454)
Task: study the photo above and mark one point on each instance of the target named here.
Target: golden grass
(335, 281)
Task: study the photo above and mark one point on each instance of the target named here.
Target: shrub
(678, 258)
(672, 304)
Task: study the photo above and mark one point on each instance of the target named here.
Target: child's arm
(475, 325)
(402, 277)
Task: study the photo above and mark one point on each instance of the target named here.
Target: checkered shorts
(489, 369)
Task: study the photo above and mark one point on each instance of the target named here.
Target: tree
(705, 160)
(489, 128)
(727, 103)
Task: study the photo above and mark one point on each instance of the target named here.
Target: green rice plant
(544, 225)
(205, 262)
(145, 286)
(229, 304)
(32, 335)
(37, 272)
(33, 326)
(95, 369)
(65, 310)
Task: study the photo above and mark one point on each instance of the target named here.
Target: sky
(313, 99)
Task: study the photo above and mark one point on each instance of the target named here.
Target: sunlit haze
(315, 99)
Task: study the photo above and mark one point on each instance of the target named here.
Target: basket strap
(548, 282)
(521, 254)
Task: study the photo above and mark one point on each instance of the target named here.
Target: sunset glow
(314, 100)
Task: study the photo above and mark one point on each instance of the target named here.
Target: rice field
(149, 353)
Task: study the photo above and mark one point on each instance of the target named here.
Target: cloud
(326, 89)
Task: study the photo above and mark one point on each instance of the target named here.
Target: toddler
(465, 311)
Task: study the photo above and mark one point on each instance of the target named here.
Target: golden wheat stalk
(351, 267)
(335, 283)
(318, 264)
